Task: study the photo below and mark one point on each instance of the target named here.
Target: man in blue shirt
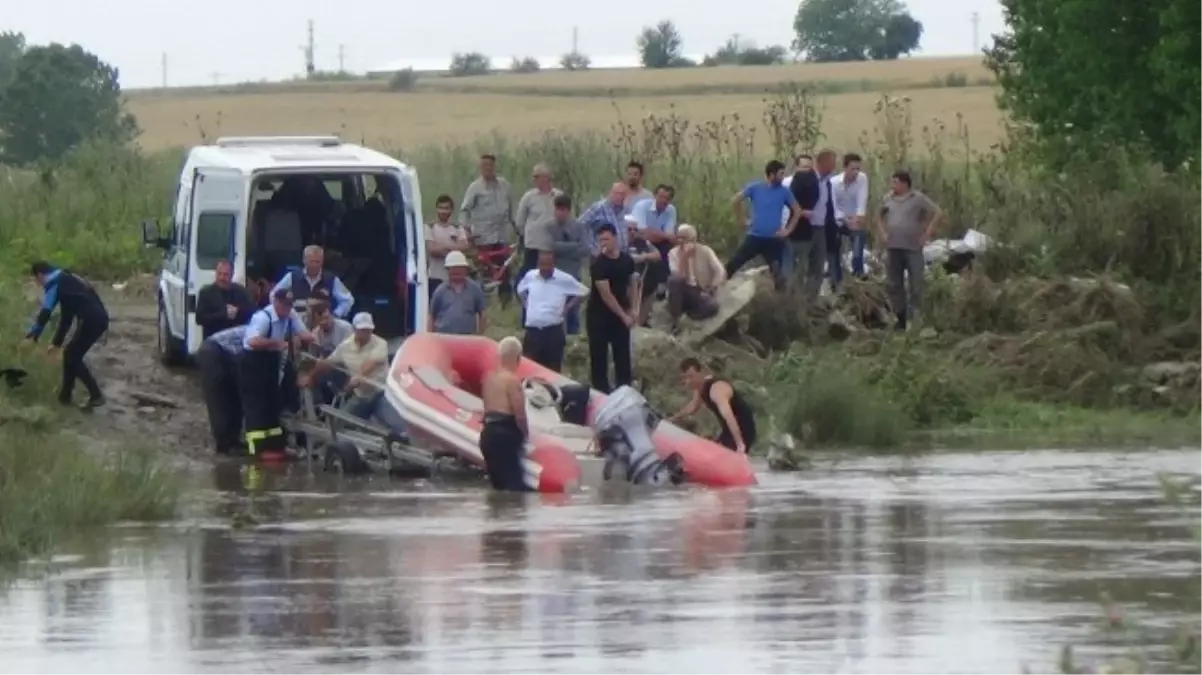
(264, 373)
(765, 234)
(608, 211)
(217, 363)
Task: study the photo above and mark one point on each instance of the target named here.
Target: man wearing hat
(264, 364)
(458, 305)
(364, 358)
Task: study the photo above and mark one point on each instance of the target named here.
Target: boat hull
(433, 385)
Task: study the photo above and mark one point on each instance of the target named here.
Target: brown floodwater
(983, 562)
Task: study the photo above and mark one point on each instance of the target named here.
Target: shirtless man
(503, 438)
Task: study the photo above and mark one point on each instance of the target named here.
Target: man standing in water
(79, 302)
(503, 438)
(719, 395)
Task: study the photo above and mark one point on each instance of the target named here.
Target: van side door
(413, 257)
(174, 272)
(219, 204)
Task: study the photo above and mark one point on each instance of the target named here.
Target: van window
(214, 233)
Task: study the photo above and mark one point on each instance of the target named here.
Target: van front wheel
(171, 350)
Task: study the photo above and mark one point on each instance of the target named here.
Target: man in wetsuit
(217, 362)
(268, 339)
(80, 304)
(732, 411)
(503, 438)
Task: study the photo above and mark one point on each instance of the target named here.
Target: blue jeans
(369, 408)
(859, 241)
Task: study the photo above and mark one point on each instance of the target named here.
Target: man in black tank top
(731, 409)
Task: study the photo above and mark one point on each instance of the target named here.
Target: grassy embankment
(55, 482)
(1021, 354)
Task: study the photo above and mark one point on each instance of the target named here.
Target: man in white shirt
(849, 190)
(364, 358)
(547, 294)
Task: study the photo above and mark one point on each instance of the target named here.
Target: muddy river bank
(982, 562)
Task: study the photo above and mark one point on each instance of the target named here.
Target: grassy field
(454, 110)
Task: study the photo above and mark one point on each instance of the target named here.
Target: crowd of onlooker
(636, 252)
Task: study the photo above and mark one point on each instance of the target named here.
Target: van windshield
(352, 216)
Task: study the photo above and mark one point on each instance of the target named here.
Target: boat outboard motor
(624, 424)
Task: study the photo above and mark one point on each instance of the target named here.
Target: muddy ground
(129, 372)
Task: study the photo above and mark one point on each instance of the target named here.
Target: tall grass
(53, 484)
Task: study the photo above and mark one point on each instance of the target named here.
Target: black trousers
(767, 248)
(606, 334)
(502, 444)
(545, 345)
(219, 384)
(87, 333)
(262, 401)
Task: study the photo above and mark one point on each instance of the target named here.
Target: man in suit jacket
(223, 303)
(802, 260)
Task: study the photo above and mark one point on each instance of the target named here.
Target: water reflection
(857, 569)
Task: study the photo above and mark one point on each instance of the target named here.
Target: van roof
(250, 154)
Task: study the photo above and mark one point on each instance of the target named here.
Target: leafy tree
(58, 98)
(12, 46)
(527, 64)
(575, 61)
(1092, 75)
(902, 33)
(854, 30)
(471, 63)
(745, 53)
(662, 47)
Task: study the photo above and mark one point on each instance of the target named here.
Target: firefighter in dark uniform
(262, 373)
(217, 362)
(314, 277)
(80, 305)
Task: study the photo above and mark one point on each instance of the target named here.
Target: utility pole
(164, 70)
(575, 39)
(309, 49)
(976, 42)
(342, 58)
(216, 79)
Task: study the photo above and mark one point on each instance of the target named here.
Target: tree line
(824, 30)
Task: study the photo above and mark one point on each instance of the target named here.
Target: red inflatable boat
(434, 385)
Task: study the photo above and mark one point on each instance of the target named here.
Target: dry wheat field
(446, 110)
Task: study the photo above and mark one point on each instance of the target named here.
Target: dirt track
(126, 363)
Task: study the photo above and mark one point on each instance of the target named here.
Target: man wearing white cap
(363, 357)
(457, 306)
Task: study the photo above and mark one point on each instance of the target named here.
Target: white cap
(686, 231)
(363, 321)
(456, 259)
(632, 221)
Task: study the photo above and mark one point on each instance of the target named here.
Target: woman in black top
(731, 409)
(608, 317)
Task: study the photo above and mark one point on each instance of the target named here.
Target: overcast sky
(245, 40)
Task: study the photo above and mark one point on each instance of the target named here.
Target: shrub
(403, 80)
